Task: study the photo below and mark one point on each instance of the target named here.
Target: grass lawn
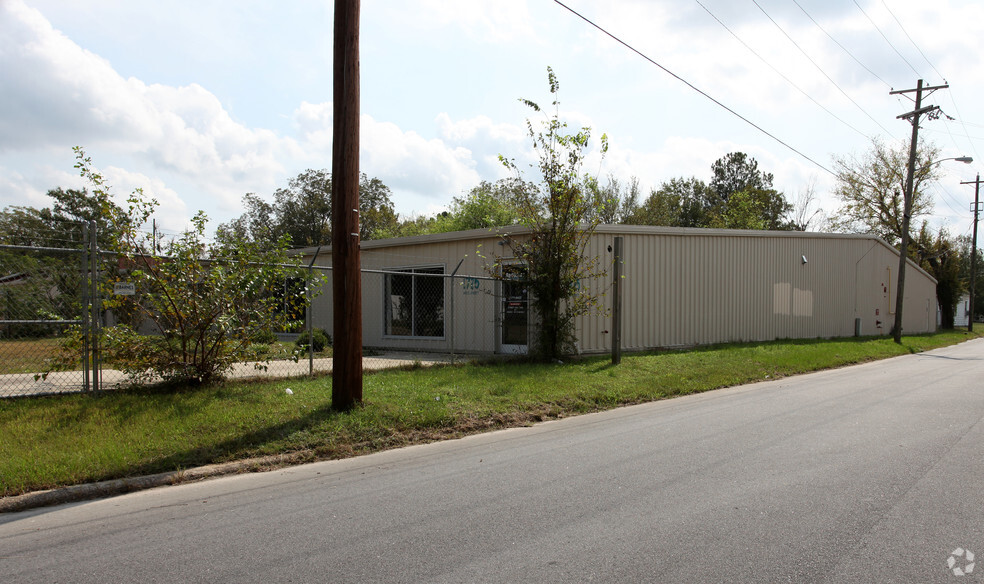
(27, 355)
(69, 439)
(34, 355)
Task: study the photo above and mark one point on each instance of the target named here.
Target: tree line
(870, 187)
(209, 303)
(738, 195)
(560, 208)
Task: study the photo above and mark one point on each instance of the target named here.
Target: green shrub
(264, 337)
(259, 350)
(321, 339)
(206, 297)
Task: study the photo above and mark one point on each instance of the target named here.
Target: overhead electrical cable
(971, 124)
(966, 134)
(779, 73)
(941, 76)
(886, 39)
(963, 125)
(950, 133)
(944, 223)
(690, 85)
(912, 41)
(820, 69)
(843, 48)
(947, 198)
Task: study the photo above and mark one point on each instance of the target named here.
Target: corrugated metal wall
(474, 314)
(692, 287)
(474, 311)
(681, 287)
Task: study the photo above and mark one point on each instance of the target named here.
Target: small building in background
(681, 287)
(961, 316)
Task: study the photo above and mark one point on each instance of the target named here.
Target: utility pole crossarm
(900, 91)
(918, 112)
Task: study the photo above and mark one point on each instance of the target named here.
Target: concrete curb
(115, 487)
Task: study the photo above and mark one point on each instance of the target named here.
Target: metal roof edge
(657, 230)
(610, 229)
(908, 261)
(426, 238)
(472, 234)
(661, 230)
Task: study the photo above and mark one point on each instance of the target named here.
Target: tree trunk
(944, 298)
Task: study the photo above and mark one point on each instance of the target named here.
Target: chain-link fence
(58, 306)
(423, 314)
(45, 299)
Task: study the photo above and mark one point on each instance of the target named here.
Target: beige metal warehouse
(681, 287)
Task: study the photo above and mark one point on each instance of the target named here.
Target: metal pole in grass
(309, 313)
(452, 307)
(94, 297)
(86, 386)
(617, 305)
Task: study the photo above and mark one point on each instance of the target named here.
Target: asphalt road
(864, 474)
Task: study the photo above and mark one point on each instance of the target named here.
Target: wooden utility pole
(346, 374)
(973, 247)
(913, 117)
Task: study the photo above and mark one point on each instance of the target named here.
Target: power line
(966, 134)
(963, 124)
(787, 79)
(966, 230)
(930, 63)
(886, 39)
(971, 124)
(856, 60)
(690, 85)
(969, 137)
(820, 69)
(911, 41)
(942, 191)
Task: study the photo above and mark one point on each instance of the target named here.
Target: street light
(904, 249)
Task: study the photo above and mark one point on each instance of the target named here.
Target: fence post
(309, 317)
(94, 300)
(456, 268)
(617, 307)
(84, 317)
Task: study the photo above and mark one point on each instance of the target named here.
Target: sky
(199, 103)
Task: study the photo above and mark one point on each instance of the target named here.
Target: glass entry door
(514, 311)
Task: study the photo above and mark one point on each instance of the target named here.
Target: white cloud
(439, 77)
(486, 139)
(50, 84)
(19, 190)
(407, 161)
(692, 157)
(57, 95)
(478, 128)
(415, 168)
(172, 211)
(314, 124)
